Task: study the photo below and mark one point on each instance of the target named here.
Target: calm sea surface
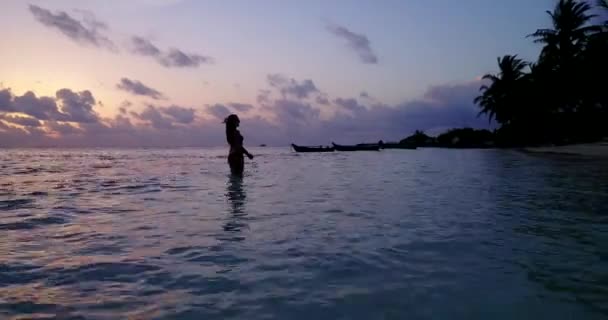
(401, 234)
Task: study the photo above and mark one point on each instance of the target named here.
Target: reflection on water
(236, 197)
(424, 234)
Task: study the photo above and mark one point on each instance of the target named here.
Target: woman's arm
(249, 155)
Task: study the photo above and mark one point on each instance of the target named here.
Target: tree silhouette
(562, 97)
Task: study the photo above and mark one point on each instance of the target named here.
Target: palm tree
(592, 114)
(500, 98)
(563, 43)
(603, 4)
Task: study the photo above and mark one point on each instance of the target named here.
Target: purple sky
(165, 72)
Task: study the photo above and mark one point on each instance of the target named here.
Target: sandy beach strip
(598, 149)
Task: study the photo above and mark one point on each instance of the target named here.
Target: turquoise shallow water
(424, 234)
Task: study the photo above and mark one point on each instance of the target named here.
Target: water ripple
(430, 234)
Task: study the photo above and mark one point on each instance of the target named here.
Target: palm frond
(490, 77)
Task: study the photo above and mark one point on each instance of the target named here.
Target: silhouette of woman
(235, 140)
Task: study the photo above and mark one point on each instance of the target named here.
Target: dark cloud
(441, 107)
(179, 114)
(89, 34)
(90, 30)
(90, 20)
(290, 112)
(358, 42)
(121, 123)
(364, 94)
(77, 106)
(219, 111)
(322, 99)
(122, 108)
(41, 108)
(169, 117)
(17, 137)
(137, 88)
(170, 59)
(63, 128)
(155, 117)
(350, 104)
(144, 47)
(289, 86)
(290, 120)
(277, 80)
(22, 121)
(263, 97)
(6, 101)
(177, 58)
(240, 107)
(65, 106)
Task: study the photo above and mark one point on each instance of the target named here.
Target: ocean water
(396, 234)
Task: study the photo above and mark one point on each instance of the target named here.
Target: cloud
(160, 3)
(286, 119)
(89, 31)
(350, 104)
(144, 47)
(291, 112)
(41, 108)
(177, 58)
(77, 106)
(179, 114)
(22, 121)
(65, 106)
(165, 118)
(172, 58)
(322, 100)
(137, 88)
(441, 107)
(90, 20)
(6, 101)
(240, 107)
(155, 117)
(289, 86)
(263, 97)
(219, 111)
(358, 42)
(63, 128)
(122, 108)
(86, 33)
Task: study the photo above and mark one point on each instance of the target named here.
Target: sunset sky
(165, 72)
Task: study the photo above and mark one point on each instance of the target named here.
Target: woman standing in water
(235, 140)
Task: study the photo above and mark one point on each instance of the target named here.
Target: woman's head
(232, 121)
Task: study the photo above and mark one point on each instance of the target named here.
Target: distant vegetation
(562, 97)
(454, 138)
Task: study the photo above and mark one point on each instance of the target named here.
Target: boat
(311, 149)
(356, 147)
